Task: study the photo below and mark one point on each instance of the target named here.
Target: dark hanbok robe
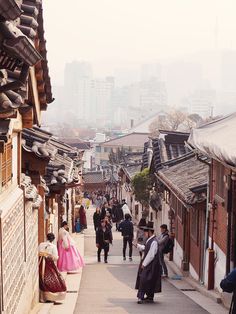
(149, 278)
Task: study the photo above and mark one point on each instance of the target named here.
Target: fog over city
(113, 62)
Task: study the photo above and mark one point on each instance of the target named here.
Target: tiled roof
(93, 177)
(22, 46)
(184, 176)
(31, 192)
(133, 170)
(76, 142)
(128, 140)
(168, 146)
(62, 158)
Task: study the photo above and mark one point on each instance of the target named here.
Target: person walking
(117, 213)
(125, 208)
(149, 273)
(97, 218)
(69, 257)
(127, 230)
(51, 284)
(103, 240)
(82, 218)
(140, 235)
(228, 284)
(162, 240)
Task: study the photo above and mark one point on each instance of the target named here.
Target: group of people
(152, 248)
(53, 259)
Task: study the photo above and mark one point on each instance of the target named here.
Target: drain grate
(188, 289)
(72, 291)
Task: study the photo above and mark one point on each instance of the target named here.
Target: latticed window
(6, 164)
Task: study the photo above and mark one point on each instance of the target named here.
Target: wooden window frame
(6, 165)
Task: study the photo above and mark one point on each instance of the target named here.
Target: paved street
(109, 288)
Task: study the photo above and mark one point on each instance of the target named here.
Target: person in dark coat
(103, 240)
(97, 218)
(117, 213)
(162, 240)
(82, 217)
(149, 274)
(127, 230)
(228, 284)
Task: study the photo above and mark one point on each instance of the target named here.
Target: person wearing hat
(149, 274)
(162, 240)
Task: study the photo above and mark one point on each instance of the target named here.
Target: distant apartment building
(100, 100)
(136, 101)
(202, 102)
(77, 82)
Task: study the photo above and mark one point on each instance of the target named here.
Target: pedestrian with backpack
(163, 242)
(228, 284)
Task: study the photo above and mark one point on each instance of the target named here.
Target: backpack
(169, 246)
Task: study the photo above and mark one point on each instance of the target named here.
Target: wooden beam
(35, 96)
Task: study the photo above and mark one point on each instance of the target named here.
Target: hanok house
(158, 153)
(25, 90)
(94, 181)
(216, 141)
(55, 168)
(129, 143)
(184, 197)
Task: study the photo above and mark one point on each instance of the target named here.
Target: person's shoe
(140, 301)
(124, 258)
(148, 300)
(130, 259)
(99, 260)
(164, 276)
(105, 261)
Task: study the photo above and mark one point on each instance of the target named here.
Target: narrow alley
(109, 288)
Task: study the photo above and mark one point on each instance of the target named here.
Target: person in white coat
(125, 209)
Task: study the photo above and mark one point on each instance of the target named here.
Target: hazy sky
(115, 33)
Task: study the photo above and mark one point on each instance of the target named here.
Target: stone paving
(109, 288)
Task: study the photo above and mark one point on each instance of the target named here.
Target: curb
(212, 294)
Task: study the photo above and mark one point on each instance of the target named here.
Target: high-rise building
(202, 102)
(77, 83)
(101, 100)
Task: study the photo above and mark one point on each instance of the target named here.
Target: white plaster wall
(165, 210)
(178, 254)
(192, 272)
(220, 266)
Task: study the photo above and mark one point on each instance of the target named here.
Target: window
(107, 149)
(220, 186)
(98, 149)
(6, 164)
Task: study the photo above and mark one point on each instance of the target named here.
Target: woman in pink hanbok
(69, 257)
